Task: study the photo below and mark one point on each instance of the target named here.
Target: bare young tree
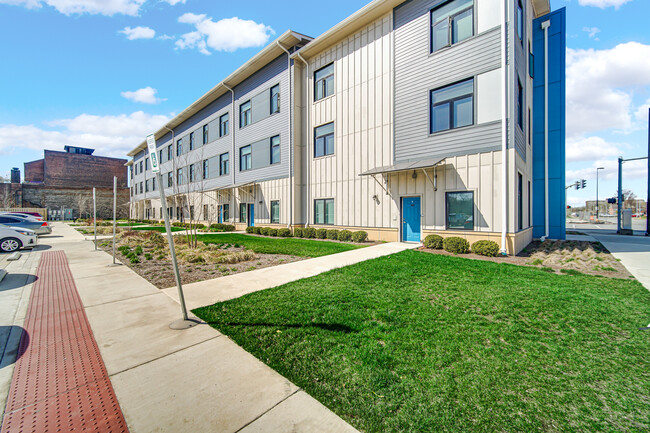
(7, 197)
(82, 200)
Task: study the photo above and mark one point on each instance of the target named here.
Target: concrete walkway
(193, 380)
(233, 286)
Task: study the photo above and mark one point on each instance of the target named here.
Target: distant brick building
(66, 179)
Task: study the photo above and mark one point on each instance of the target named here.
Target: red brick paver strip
(60, 382)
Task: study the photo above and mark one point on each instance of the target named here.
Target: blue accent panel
(411, 215)
(251, 215)
(556, 125)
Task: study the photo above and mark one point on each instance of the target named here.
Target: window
(146, 164)
(169, 180)
(275, 99)
(324, 82)
(8, 220)
(223, 125)
(192, 212)
(205, 134)
(179, 147)
(324, 211)
(530, 128)
(206, 169)
(242, 213)
(275, 211)
(245, 115)
(520, 105)
(245, 158)
(530, 209)
(520, 21)
(160, 158)
(460, 210)
(179, 176)
(452, 106)
(131, 172)
(206, 216)
(136, 168)
(191, 141)
(141, 167)
(531, 61)
(170, 154)
(224, 164)
(275, 149)
(192, 173)
(141, 183)
(520, 201)
(451, 22)
(146, 186)
(324, 140)
(226, 212)
(153, 184)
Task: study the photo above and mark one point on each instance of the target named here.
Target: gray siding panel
(417, 71)
(261, 106)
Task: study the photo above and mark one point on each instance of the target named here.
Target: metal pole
(114, 213)
(620, 194)
(647, 219)
(95, 217)
(172, 251)
(597, 194)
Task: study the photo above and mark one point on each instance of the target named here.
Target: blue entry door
(411, 219)
(220, 214)
(251, 215)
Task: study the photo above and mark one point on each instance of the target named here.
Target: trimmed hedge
(359, 236)
(272, 232)
(455, 245)
(345, 235)
(297, 232)
(284, 233)
(309, 233)
(433, 242)
(222, 227)
(321, 233)
(485, 248)
(332, 234)
(250, 229)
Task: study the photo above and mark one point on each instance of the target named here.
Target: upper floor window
(169, 180)
(179, 147)
(452, 106)
(324, 82)
(170, 154)
(160, 158)
(206, 168)
(179, 176)
(451, 22)
(275, 149)
(141, 167)
(223, 124)
(224, 164)
(192, 173)
(205, 134)
(136, 168)
(520, 21)
(520, 105)
(324, 140)
(146, 186)
(245, 158)
(245, 114)
(146, 164)
(275, 99)
(191, 141)
(153, 184)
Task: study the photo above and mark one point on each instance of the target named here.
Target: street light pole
(597, 204)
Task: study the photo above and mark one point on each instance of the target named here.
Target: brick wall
(35, 171)
(73, 170)
(80, 200)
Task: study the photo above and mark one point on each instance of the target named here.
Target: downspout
(173, 174)
(234, 157)
(308, 145)
(504, 130)
(545, 26)
(290, 136)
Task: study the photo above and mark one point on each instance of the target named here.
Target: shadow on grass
(334, 327)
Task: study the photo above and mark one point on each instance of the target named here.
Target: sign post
(114, 214)
(185, 322)
(95, 217)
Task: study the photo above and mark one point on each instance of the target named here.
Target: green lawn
(290, 246)
(160, 229)
(428, 343)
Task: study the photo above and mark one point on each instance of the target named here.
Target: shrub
(250, 229)
(359, 236)
(177, 224)
(332, 234)
(266, 231)
(345, 235)
(194, 258)
(433, 241)
(134, 259)
(455, 245)
(272, 232)
(485, 248)
(148, 256)
(138, 250)
(218, 227)
(284, 233)
(297, 232)
(309, 233)
(321, 233)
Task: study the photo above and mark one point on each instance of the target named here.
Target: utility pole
(95, 216)
(647, 220)
(114, 213)
(597, 204)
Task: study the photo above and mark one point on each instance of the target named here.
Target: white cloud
(641, 114)
(592, 32)
(603, 3)
(600, 85)
(228, 34)
(631, 170)
(175, 2)
(146, 95)
(166, 37)
(69, 7)
(590, 148)
(109, 135)
(138, 32)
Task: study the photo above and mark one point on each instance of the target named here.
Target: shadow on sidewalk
(16, 281)
(14, 340)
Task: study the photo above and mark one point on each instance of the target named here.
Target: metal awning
(404, 166)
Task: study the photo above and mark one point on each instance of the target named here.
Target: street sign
(153, 154)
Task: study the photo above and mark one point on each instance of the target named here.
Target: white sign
(153, 154)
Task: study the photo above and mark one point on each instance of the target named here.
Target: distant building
(604, 208)
(64, 180)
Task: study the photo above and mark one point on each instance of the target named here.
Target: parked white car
(15, 238)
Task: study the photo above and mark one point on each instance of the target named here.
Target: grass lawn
(289, 246)
(160, 229)
(426, 343)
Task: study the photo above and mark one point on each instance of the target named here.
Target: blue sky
(103, 73)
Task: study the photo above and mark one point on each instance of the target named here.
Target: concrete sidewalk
(233, 286)
(193, 380)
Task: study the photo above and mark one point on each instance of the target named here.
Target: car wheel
(9, 245)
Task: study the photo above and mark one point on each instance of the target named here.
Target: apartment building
(405, 119)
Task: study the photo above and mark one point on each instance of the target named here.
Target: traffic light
(611, 200)
(583, 183)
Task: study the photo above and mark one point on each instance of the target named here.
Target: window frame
(450, 19)
(206, 169)
(249, 158)
(333, 133)
(179, 176)
(170, 152)
(451, 110)
(243, 212)
(520, 104)
(520, 22)
(170, 179)
(179, 147)
(226, 171)
(191, 171)
(323, 81)
(224, 124)
(274, 220)
(272, 146)
(447, 193)
(206, 134)
(191, 141)
(246, 114)
(325, 201)
(274, 98)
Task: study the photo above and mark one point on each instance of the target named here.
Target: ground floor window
(460, 210)
(226, 212)
(520, 201)
(530, 209)
(206, 212)
(324, 211)
(275, 211)
(242, 213)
